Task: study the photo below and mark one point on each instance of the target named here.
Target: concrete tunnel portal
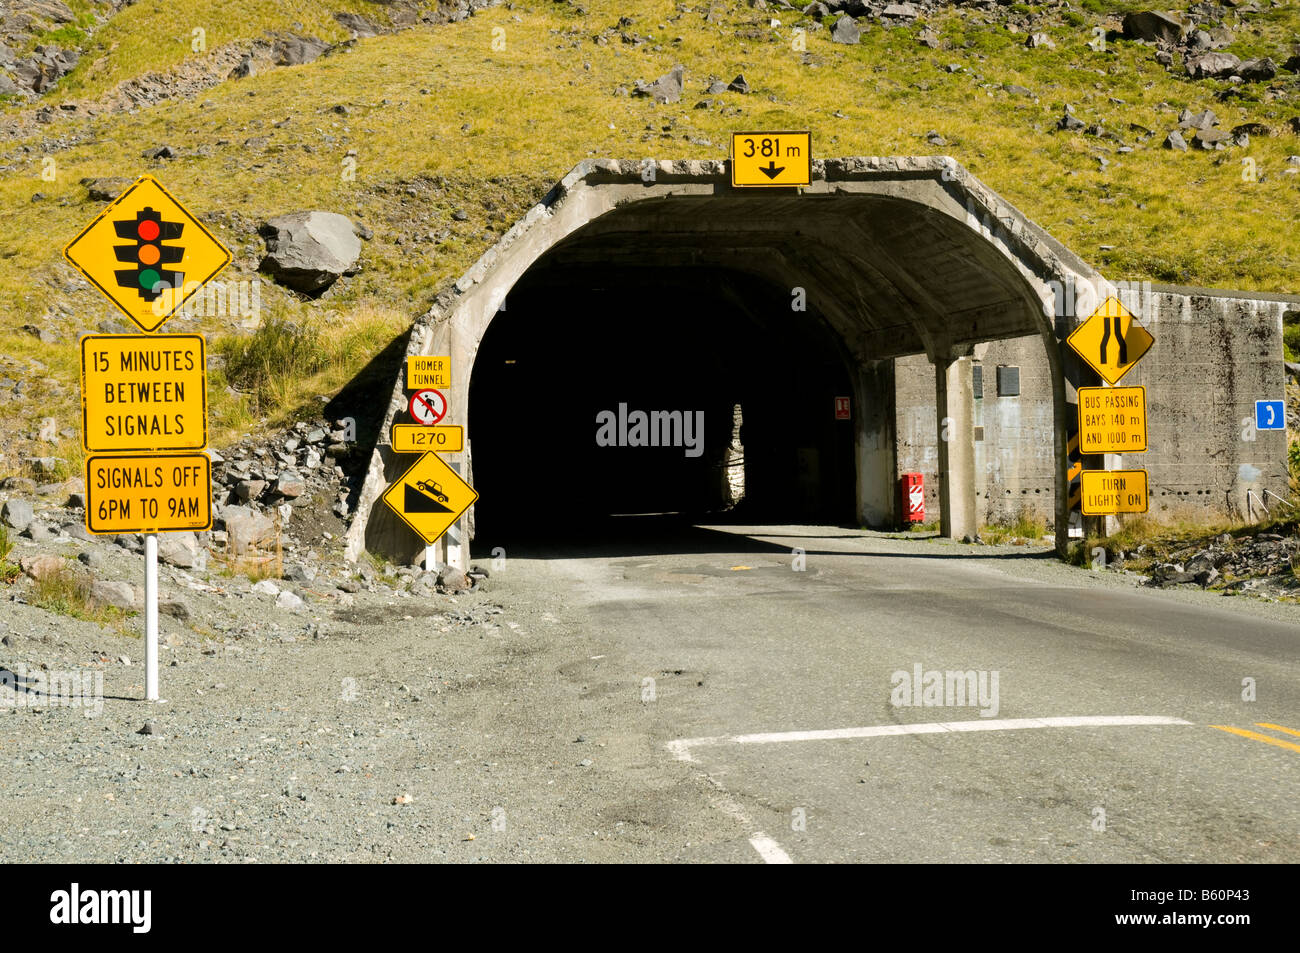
(745, 311)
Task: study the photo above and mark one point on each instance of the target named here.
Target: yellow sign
(130, 493)
(429, 497)
(423, 370)
(147, 254)
(771, 158)
(415, 438)
(1111, 341)
(143, 393)
(1112, 419)
(1113, 491)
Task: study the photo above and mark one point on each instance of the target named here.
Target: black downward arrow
(772, 170)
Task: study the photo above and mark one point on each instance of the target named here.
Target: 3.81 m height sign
(771, 159)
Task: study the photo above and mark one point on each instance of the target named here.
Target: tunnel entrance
(656, 391)
(658, 287)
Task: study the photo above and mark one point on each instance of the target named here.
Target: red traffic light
(148, 230)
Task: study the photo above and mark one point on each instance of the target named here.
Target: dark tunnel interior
(564, 369)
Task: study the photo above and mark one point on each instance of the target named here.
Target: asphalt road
(742, 660)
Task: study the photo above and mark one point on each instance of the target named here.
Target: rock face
(309, 251)
(666, 89)
(1153, 27)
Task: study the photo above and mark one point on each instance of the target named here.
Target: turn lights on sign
(147, 253)
(143, 393)
(128, 493)
(1106, 492)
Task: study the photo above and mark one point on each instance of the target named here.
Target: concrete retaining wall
(1215, 354)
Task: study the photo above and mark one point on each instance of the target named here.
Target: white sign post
(151, 617)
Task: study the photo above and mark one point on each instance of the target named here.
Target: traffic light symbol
(147, 254)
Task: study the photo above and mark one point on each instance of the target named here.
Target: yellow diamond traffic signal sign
(147, 254)
(430, 496)
(1111, 340)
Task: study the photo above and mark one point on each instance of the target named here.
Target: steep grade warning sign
(139, 494)
(143, 393)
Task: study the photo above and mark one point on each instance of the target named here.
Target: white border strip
(681, 748)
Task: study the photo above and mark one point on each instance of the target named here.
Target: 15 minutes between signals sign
(143, 392)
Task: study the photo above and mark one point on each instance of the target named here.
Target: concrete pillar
(955, 410)
(875, 445)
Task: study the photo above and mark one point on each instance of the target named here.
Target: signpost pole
(151, 617)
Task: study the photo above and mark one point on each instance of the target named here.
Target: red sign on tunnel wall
(912, 487)
(841, 408)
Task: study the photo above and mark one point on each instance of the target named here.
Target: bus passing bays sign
(430, 497)
(143, 393)
(147, 253)
(138, 493)
(1112, 419)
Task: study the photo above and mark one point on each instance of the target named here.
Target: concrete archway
(896, 256)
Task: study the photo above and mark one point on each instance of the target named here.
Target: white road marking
(769, 849)
(681, 748)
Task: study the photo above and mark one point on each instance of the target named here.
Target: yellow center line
(1289, 731)
(1256, 736)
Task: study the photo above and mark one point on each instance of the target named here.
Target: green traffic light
(149, 279)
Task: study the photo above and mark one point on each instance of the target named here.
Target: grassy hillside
(443, 122)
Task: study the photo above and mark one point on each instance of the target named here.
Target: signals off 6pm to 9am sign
(135, 494)
(143, 393)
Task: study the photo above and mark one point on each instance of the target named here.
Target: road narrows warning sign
(143, 393)
(771, 159)
(1111, 341)
(147, 254)
(429, 497)
(154, 493)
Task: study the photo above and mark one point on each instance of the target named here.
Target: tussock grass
(1023, 527)
(67, 592)
(296, 355)
(8, 571)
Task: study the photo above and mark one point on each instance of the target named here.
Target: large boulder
(1212, 65)
(18, 514)
(296, 50)
(846, 31)
(1153, 27)
(666, 89)
(182, 549)
(247, 530)
(309, 251)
